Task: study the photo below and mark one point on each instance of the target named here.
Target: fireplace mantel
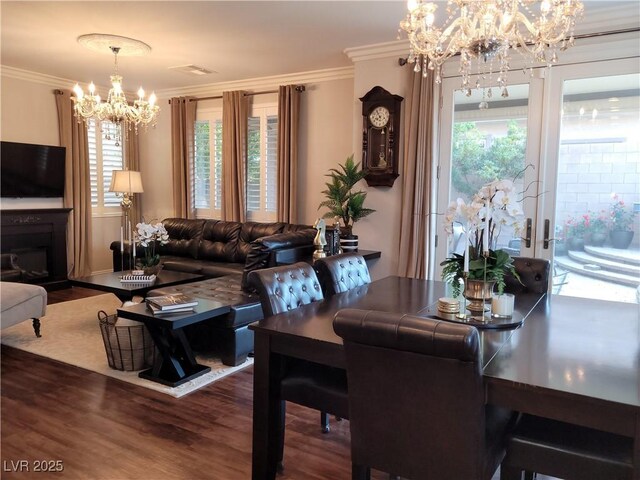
(39, 229)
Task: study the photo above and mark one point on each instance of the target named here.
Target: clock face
(379, 117)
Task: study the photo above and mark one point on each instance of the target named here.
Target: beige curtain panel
(288, 118)
(183, 118)
(417, 177)
(77, 187)
(234, 154)
(132, 162)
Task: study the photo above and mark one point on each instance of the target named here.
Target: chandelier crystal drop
(116, 109)
(486, 31)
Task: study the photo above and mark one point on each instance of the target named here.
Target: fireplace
(38, 238)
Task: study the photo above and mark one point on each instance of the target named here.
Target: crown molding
(208, 89)
(378, 50)
(35, 77)
(264, 83)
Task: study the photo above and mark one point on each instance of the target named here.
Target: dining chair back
(566, 451)
(340, 273)
(533, 273)
(285, 288)
(312, 385)
(416, 398)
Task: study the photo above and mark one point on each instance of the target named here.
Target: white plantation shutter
(207, 174)
(262, 180)
(217, 166)
(202, 165)
(271, 165)
(104, 157)
(254, 147)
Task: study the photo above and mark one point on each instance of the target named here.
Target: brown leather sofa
(216, 248)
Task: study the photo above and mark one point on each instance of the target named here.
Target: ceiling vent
(192, 70)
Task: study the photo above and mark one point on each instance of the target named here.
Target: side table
(176, 363)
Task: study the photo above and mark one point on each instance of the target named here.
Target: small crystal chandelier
(116, 109)
(487, 30)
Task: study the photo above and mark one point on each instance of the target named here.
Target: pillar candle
(466, 249)
(502, 305)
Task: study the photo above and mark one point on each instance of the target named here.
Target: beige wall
(20, 99)
(380, 230)
(19, 124)
(325, 140)
(329, 133)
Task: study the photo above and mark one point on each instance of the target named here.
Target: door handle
(546, 240)
(527, 238)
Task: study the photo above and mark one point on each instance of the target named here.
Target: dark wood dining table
(573, 359)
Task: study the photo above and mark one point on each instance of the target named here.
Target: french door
(570, 136)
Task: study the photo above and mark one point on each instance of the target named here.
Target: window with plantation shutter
(104, 157)
(261, 168)
(207, 165)
(262, 144)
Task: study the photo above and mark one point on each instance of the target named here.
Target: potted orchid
(493, 208)
(148, 236)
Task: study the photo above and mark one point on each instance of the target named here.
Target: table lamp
(124, 183)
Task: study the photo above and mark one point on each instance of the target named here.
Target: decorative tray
(480, 322)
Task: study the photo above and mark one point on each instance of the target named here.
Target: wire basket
(129, 348)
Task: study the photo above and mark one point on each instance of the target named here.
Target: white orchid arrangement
(148, 235)
(494, 207)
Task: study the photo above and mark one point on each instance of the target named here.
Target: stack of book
(134, 278)
(176, 303)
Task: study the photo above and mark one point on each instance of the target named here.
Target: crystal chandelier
(122, 115)
(487, 30)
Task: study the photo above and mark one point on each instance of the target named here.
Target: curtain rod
(299, 88)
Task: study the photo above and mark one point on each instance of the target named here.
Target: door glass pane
(487, 145)
(598, 189)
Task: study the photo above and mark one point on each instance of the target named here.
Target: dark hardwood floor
(104, 429)
(101, 428)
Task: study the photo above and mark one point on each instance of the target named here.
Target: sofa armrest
(287, 247)
(117, 256)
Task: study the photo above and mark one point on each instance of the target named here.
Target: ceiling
(236, 39)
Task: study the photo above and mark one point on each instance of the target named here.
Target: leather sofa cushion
(251, 231)
(204, 267)
(245, 307)
(219, 241)
(184, 237)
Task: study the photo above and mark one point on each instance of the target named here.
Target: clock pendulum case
(380, 136)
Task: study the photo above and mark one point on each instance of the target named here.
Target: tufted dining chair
(340, 273)
(534, 276)
(416, 398)
(309, 384)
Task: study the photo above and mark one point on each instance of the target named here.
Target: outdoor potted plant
(491, 209)
(621, 233)
(341, 199)
(147, 236)
(576, 231)
(598, 228)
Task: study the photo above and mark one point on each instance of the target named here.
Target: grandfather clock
(380, 136)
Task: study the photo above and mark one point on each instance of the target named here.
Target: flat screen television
(28, 171)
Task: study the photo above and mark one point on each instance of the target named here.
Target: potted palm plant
(341, 199)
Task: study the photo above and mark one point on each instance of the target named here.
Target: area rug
(71, 334)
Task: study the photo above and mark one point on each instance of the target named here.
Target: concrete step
(615, 277)
(615, 266)
(630, 256)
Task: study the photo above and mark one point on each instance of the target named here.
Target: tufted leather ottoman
(228, 334)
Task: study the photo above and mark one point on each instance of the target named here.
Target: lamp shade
(126, 181)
